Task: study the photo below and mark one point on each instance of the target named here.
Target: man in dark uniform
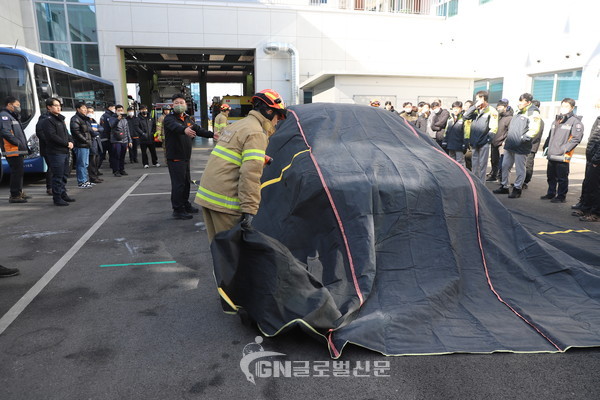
(180, 131)
(15, 147)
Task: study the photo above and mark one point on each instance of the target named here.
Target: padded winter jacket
(565, 134)
(524, 127)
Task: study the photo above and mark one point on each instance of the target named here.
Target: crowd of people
(477, 135)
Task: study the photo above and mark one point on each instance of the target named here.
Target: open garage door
(162, 72)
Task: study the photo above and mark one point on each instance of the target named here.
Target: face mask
(90, 115)
(563, 110)
(111, 109)
(408, 110)
(144, 113)
(437, 110)
(17, 109)
(179, 108)
(130, 113)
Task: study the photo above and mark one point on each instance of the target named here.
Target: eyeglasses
(56, 105)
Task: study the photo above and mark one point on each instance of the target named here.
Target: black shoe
(123, 173)
(25, 196)
(17, 199)
(576, 206)
(118, 175)
(96, 181)
(491, 179)
(515, 194)
(524, 186)
(68, 199)
(547, 197)
(557, 200)
(49, 192)
(191, 210)
(8, 272)
(578, 213)
(61, 203)
(182, 215)
(100, 173)
(501, 190)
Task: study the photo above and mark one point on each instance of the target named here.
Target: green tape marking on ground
(146, 263)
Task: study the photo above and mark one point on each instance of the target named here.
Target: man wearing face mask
(180, 132)
(523, 128)
(439, 120)
(109, 113)
(230, 185)
(147, 128)
(565, 134)
(408, 114)
(454, 141)
(120, 139)
(14, 146)
(95, 148)
(135, 132)
(505, 114)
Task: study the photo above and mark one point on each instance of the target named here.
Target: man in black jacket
(58, 144)
(505, 114)
(147, 127)
(439, 120)
(535, 145)
(82, 140)
(109, 113)
(180, 131)
(588, 207)
(14, 144)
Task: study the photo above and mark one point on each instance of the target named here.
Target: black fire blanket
(369, 233)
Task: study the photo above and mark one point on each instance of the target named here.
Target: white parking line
(31, 294)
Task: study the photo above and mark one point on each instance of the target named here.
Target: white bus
(32, 78)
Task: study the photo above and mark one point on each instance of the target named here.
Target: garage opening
(201, 74)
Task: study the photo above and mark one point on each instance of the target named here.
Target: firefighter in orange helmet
(221, 120)
(374, 103)
(230, 184)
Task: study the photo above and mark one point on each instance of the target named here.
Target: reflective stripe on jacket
(524, 126)
(220, 123)
(231, 181)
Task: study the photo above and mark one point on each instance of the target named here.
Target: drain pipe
(276, 47)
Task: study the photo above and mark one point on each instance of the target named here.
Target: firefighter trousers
(217, 222)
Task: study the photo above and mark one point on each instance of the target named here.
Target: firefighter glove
(247, 220)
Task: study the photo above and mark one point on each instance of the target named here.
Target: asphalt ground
(157, 331)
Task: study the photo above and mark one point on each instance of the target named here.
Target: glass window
(82, 23)
(484, 1)
(543, 87)
(61, 83)
(85, 58)
(496, 88)
(81, 1)
(57, 50)
(42, 84)
(567, 85)
(51, 21)
(14, 81)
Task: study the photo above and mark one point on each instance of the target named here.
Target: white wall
(15, 25)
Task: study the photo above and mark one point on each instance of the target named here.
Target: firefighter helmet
(272, 100)
(225, 107)
(374, 103)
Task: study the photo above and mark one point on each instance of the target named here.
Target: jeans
(59, 164)
(117, 157)
(82, 160)
(558, 175)
(180, 184)
(16, 175)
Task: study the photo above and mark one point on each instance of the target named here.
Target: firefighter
(180, 131)
(230, 185)
(15, 147)
(374, 103)
(159, 135)
(221, 120)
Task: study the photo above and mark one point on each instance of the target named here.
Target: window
(493, 86)
(42, 84)
(447, 8)
(14, 81)
(556, 86)
(484, 1)
(67, 30)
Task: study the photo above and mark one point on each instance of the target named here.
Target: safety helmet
(166, 107)
(271, 99)
(374, 103)
(225, 107)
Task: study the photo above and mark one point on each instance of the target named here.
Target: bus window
(61, 83)
(14, 81)
(42, 84)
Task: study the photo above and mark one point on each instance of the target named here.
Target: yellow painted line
(272, 181)
(568, 231)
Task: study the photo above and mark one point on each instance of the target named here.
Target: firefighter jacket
(14, 141)
(592, 151)
(484, 125)
(231, 181)
(80, 131)
(220, 124)
(565, 134)
(178, 145)
(159, 135)
(523, 128)
(56, 135)
(455, 132)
